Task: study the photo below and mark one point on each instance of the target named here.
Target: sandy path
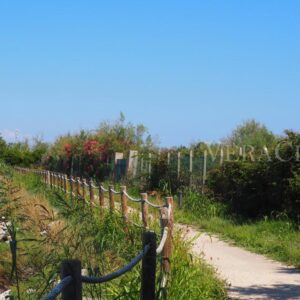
(251, 276)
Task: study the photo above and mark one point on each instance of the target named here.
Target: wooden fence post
(54, 181)
(178, 164)
(221, 156)
(167, 219)
(144, 208)
(73, 291)
(204, 169)
(149, 267)
(60, 182)
(180, 199)
(111, 198)
(71, 187)
(124, 204)
(51, 180)
(78, 187)
(48, 178)
(191, 168)
(65, 183)
(150, 164)
(91, 193)
(62, 176)
(101, 196)
(83, 189)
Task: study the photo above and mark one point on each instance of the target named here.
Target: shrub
(256, 188)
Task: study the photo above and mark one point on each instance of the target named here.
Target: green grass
(277, 237)
(99, 241)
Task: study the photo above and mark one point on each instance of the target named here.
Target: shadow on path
(273, 292)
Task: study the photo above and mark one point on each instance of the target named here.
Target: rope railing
(70, 285)
(59, 288)
(104, 189)
(132, 199)
(162, 241)
(120, 272)
(153, 205)
(115, 192)
(84, 190)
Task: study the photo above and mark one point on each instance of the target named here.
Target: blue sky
(188, 70)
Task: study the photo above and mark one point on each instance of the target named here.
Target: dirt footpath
(251, 276)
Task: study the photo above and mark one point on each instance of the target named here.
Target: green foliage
(21, 154)
(276, 236)
(99, 241)
(91, 153)
(257, 188)
(251, 133)
(192, 278)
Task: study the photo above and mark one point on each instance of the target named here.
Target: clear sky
(188, 70)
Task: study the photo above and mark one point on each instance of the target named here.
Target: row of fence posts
(191, 157)
(76, 188)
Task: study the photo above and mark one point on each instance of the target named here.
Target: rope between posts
(115, 192)
(118, 273)
(152, 204)
(85, 183)
(131, 198)
(104, 189)
(163, 241)
(59, 288)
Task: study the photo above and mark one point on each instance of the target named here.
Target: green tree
(251, 133)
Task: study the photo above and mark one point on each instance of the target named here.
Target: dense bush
(21, 153)
(268, 185)
(91, 153)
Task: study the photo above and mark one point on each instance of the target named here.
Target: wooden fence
(94, 195)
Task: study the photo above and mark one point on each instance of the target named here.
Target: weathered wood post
(178, 164)
(51, 180)
(124, 204)
(204, 170)
(221, 156)
(48, 178)
(71, 187)
(150, 164)
(180, 199)
(72, 291)
(144, 209)
(83, 189)
(57, 181)
(91, 192)
(149, 267)
(111, 198)
(167, 219)
(54, 180)
(65, 177)
(60, 181)
(78, 187)
(191, 168)
(101, 196)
